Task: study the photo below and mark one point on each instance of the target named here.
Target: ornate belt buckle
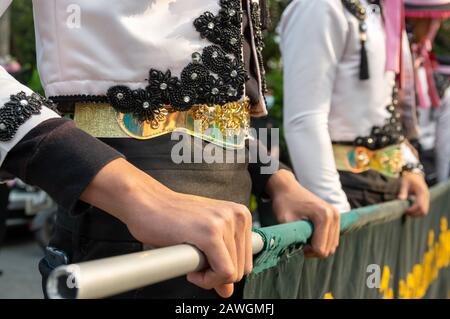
(359, 159)
(164, 122)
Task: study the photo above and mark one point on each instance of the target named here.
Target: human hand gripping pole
(159, 217)
(111, 276)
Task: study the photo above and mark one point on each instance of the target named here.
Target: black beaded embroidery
(259, 41)
(389, 134)
(18, 110)
(412, 167)
(215, 76)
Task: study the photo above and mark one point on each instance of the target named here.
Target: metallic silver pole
(111, 276)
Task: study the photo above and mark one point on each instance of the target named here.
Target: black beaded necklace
(357, 9)
(390, 133)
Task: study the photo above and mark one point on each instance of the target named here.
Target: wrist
(143, 195)
(413, 168)
(124, 191)
(280, 182)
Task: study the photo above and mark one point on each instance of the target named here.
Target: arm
(69, 164)
(443, 139)
(292, 202)
(313, 40)
(408, 93)
(412, 183)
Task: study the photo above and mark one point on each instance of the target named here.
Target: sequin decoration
(19, 109)
(259, 41)
(216, 75)
(389, 134)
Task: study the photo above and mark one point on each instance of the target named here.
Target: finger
(241, 247)
(414, 210)
(225, 291)
(198, 278)
(320, 237)
(248, 249)
(331, 238)
(309, 252)
(424, 201)
(231, 243)
(222, 269)
(403, 193)
(420, 206)
(337, 234)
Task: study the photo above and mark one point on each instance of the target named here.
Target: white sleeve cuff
(408, 155)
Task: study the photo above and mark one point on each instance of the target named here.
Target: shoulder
(325, 15)
(324, 7)
(314, 12)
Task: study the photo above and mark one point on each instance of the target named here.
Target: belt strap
(387, 161)
(226, 125)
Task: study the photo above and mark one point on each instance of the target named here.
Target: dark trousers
(369, 188)
(96, 234)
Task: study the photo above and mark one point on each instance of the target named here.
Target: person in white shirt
(424, 21)
(340, 104)
(130, 72)
(442, 144)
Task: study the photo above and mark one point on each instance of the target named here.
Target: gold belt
(226, 125)
(387, 161)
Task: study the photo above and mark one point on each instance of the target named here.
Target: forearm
(280, 182)
(443, 140)
(119, 187)
(308, 88)
(312, 156)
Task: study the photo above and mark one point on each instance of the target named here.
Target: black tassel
(364, 64)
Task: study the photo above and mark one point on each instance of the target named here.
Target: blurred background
(29, 212)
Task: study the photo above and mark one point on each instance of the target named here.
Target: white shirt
(86, 46)
(443, 139)
(324, 99)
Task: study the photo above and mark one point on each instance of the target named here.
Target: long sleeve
(4, 4)
(11, 129)
(262, 169)
(313, 39)
(443, 140)
(9, 86)
(60, 159)
(408, 93)
(43, 149)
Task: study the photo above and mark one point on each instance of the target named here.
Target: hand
(414, 184)
(159, 217)
(292, 202)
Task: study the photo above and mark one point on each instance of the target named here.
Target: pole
(111, 276)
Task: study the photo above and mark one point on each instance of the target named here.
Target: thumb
(403, 193)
